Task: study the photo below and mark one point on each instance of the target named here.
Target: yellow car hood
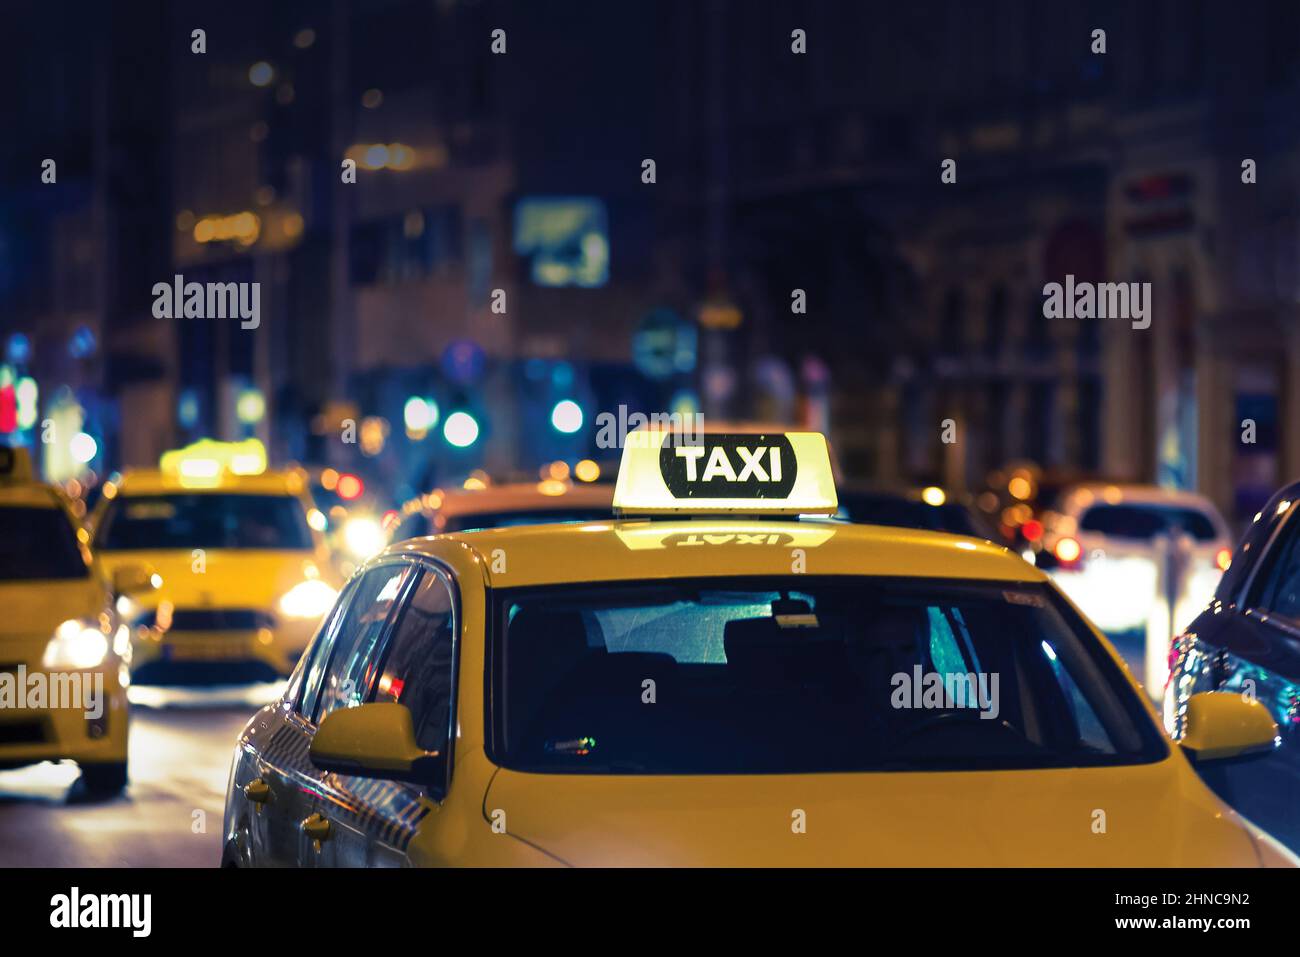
(231, 578)
(1157, 815)
(36, 608)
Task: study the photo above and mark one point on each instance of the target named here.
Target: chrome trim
(1276, 621)
(1240, 598)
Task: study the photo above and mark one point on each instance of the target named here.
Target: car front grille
(22, 732)
(212, 619)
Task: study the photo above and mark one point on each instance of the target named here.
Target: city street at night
(712, 436)
(47, 818)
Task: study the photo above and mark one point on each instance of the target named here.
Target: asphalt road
(170, 814)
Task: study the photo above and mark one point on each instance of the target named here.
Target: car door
(1272, 620)
(1254, 650)
(274, 789)
(294, 783)
(373, 820)
(346, 681)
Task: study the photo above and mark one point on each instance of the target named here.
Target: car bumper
(88, 726)
(219, 657)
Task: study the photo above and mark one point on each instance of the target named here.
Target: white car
(1137, 557)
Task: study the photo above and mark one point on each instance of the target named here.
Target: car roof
(156, 482)
(639, 549)
(1136, 495)
(526, 497)
(29, 495)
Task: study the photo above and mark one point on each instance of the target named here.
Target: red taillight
(1223, 558)
(1175, 652)
(1032, 530)
(1067, 551)
(349, 487)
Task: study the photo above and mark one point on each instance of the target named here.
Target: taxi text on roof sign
(775, 473)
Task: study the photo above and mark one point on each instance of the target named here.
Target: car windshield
(205, 520)
(841, 674)
(37, 544)
(905, 513)
(1147, 521)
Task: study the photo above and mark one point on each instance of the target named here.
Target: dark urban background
(774, 171)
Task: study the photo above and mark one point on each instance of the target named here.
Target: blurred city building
(925, 300)
(502, 271)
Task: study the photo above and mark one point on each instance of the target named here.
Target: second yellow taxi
(242, 577)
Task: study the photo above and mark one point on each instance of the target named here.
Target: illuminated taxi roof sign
(772, 473)
(203, 464)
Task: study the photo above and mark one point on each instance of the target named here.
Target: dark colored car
(1248, 641)
(947, 513)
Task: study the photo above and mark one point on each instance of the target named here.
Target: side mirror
(374, 740)
(132, 579)
(1221, 725)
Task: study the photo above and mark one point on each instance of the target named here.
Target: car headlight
(363, 537)
(76, 645)
(308, 599)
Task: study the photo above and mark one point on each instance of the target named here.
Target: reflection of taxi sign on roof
(15, 465)
(775, 473)
(641, 536)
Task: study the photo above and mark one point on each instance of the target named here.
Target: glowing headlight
(308, 599)
(76, 645)
(363, 536)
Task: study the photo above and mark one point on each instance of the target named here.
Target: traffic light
(566, 416)
(461, 430)
(419, 415)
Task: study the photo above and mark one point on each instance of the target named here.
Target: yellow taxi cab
(717, 677)
(243, 578)
(63, 649)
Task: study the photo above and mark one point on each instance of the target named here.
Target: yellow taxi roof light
(677, 473)
(202, 463)
(247, 463)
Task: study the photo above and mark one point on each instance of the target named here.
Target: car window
(1147, 521)
(1280, 594)
(346, 684)
(419, 665)
(38, 543)
(900, 512)
(307, 675)
(204, 520)
(837, 675)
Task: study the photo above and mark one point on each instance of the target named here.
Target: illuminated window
(565, 240)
